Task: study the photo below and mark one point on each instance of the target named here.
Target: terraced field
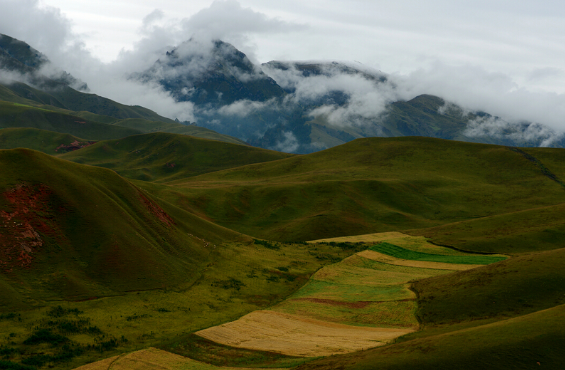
(151, 358)
(362, 302)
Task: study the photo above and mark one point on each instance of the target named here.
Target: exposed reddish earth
(157, 211)
(22, 224)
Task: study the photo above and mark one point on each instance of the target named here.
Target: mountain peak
(213, 72)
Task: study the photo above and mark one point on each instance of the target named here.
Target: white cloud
(494, 127)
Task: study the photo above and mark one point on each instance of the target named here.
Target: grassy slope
(517, 286)
(525, 342)
(368, 185)
(99, 234)
(31, 138)
(68, 98)
(14, 115)
(164, 157)
(539, 228)
(177, 128)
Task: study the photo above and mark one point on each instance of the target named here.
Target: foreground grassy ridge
(517, 286)
(398, 252)
(366, 185)
(525, 342)
(164, 157)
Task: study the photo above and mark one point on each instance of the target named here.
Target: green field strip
(373, 314)
(406, 254)
(359, 261)
(353, 293)
(351, 275)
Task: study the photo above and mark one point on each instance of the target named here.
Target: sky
(502, 56)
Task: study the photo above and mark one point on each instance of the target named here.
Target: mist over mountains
(295, 107)
(302, 107)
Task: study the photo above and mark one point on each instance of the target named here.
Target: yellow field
(298, 336)
(151, 359)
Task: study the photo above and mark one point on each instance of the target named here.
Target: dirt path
(298, 336)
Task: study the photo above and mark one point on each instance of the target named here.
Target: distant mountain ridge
(295, 107)
(302, 107)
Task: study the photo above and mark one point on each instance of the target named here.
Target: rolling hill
(373, 184)
(73, 232)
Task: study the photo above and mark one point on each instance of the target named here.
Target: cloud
(476, 89)
(289, 143)
(525, 133)
(344, 94)
(243, 108)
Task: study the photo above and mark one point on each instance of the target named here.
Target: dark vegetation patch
(406, 254)
(49, 343)
(200, 349)
(59, 311)
(230, 283)
(9, 365)
(331, 302)
(267, 244)
(10, 316)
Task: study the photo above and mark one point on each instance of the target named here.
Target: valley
(265, 236)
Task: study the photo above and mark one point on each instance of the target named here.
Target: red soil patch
(157, 211)
(20, 227)
(75, 145)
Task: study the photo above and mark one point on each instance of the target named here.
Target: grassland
(99, 243)
(238, 278)
(348, 306)
(22, 116)
(368, 185)
(164, 157)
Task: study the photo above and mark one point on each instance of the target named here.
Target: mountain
(17, 56)
(303, 107)
(214, 74)
(51, 102)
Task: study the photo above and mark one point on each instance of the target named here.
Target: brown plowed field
(298, 336)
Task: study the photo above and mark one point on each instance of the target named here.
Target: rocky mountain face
(18, 57)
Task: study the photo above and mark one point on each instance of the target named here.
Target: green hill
(372, 185)
(48, 142)
(525, 342)
(17, 115)
(73, 232)
(165, 157)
